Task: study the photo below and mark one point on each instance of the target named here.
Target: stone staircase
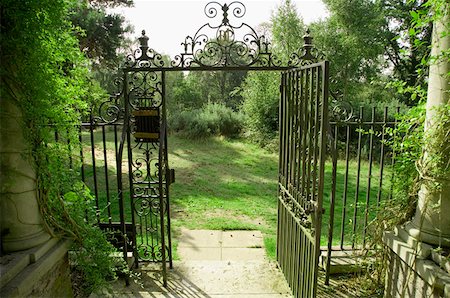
(37, 271)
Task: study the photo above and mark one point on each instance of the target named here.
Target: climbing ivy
(46, 76)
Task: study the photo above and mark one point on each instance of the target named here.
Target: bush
(212, 119)
(261, 95)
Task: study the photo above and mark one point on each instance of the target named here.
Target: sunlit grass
(232, 185)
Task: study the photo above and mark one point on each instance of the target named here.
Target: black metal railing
(359, 176)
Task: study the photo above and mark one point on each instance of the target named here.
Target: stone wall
(56, 282)
(402, 281)
(411, 271)
(41, 271)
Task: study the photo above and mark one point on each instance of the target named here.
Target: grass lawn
(232, 185)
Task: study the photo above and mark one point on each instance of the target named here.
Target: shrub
(213, 119)
(261, 96)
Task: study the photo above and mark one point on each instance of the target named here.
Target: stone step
(12, 264)
(21, 279)
(345, 261)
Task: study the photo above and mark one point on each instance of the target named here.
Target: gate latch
(171, 176)
(147, 125)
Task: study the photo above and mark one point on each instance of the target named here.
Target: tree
(101, 37)
(44, 88)
(375, 32)
(260, 90)
(287, 29)
(261, 95)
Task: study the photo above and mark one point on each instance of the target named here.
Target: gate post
(431, 223)
(21, 222)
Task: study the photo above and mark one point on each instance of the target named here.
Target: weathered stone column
(431, 222)
(21, 222)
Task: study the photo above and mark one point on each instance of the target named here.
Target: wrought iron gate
(142, 227)
(149, 174)
(303, 128)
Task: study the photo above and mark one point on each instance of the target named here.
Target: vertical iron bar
(380, 185)
(280, 165)
(83, 178)
(128, 106)
(355, 208)
(288, 174)
(322, 151)
(393, 156)
(304, 132)
(105, 156)
(344, 195)
(161, 200)
(118, 163)
(119, 167)
(94, 168)
(309, 129)
(80, 138)
(166, 157)
(316, 128)
(369, 178)
(300, 134)
(332, 203)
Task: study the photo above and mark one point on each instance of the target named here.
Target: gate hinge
(171, 176)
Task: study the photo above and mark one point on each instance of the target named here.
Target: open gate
(137, 116)
(138, 112)
(145, 137)
(303, 129)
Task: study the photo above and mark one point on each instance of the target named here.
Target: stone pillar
(431, 222)
(21, 222)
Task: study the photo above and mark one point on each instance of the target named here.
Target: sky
(168, 22)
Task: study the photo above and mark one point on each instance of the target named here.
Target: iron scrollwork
(111, 110)
(144, 56)
(231, 43)
(307, 54)
(341, 110)
(223, 42)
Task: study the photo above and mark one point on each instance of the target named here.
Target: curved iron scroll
(223, 42)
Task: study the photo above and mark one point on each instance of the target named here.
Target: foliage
(46, 75)
(287, 29)
(102, 37)
(421, 156)
(261, 94)
(261, 90)
(213, 119)
(363, 37)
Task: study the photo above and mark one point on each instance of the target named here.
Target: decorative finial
(308, 46)
(225, 20)
(307, 38)
(143, 40)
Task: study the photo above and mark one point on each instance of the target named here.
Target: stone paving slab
(195, 245)
(242, 239)
(242, 254)
(214, 264)
(200, 238)
(237, 278)
(196, 254)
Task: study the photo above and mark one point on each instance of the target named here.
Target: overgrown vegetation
(46, 76)
(213, 119)
(421, 155)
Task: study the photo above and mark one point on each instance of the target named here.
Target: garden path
(215, 264)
